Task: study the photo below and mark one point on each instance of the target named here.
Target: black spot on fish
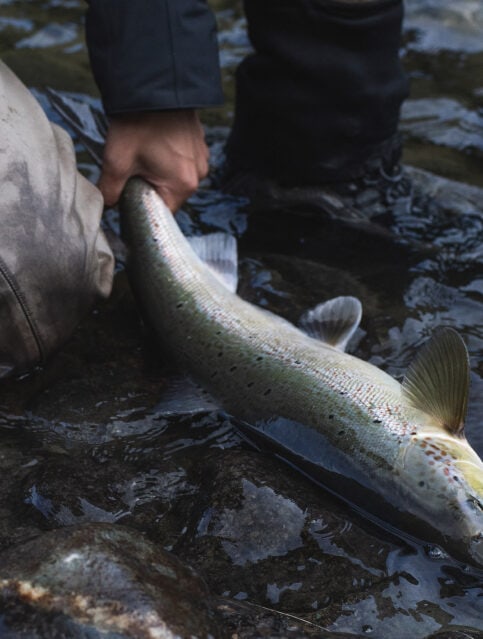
(233, 368)
(341, 432)
(421, 483)
(331, 417)
(259, 358)
(377, 421)
(268, 391)
(220, 354)
(180, 305)
(214, 374)
(250, 384)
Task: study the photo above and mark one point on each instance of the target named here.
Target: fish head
(471, 500)
(442, 482)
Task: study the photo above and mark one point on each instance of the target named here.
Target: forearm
(155, 62)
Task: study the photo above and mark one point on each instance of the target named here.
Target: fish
(394, 450)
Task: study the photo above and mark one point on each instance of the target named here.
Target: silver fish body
(320, 405)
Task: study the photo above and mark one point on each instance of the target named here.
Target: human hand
(166, 148)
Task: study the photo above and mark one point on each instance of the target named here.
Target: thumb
(111, 184)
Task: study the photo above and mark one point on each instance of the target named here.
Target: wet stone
(455, 27)
(14, 465)
(265, 537)
(274, 281)
(245, 621)
(90, 487)
(271, 537)
(100, 581)
(463, 633)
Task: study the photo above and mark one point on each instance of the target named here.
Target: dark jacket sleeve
(153, 54)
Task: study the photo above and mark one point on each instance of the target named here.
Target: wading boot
(317, 108)
(384, 189)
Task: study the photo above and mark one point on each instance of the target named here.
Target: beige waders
(54, 259)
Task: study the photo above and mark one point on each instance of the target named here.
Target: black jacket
(153, 54)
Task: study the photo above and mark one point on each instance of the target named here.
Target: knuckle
(189, 181)
(203, 168)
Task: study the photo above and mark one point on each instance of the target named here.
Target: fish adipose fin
(333, 322)
(219, 252)
(438, 380)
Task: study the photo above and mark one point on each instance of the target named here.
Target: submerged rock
(246, 621)
(100, 581)
(269, 539)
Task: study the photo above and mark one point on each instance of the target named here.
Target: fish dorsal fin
(438, 380)
(333, 322)
(219, 252)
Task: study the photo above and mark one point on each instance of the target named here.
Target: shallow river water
(89, 439)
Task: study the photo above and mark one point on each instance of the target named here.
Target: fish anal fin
(333, 322)
(437, 382)
(219, 252)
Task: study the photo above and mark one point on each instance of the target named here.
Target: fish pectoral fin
(333, 322)
(182, 396)
(219, 252)
(438, 380)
